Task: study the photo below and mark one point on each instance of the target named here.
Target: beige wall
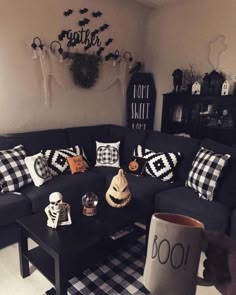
(21, 86)
(179, 35)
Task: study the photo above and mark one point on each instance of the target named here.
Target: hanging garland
(85, 69)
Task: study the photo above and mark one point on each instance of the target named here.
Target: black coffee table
(63, 252)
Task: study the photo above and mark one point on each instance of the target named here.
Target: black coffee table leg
(61, 282)
(23, 252)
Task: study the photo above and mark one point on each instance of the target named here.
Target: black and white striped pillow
(206, 170)
(160, 165)
(57, 159)
(13, 171)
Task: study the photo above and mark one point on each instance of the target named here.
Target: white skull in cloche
(55, 200)
(118, 194)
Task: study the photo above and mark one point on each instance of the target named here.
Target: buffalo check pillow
(108, 154)
(206, 170)
(13, 171)
(158, 164)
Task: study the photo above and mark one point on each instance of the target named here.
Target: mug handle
(203, 282)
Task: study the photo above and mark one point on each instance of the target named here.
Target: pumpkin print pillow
(108, 154)
(136, 166)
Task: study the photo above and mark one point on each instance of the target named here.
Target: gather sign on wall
(141, 100)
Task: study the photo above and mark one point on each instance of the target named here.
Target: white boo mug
(174, 247)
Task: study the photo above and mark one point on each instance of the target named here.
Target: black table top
(84, 232)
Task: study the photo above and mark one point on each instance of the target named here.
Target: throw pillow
(38, 169)
(136, 166)
(77, 164)
(108, 154)
(159, 165)
(206, 170)
(13, 171)
(57, 159)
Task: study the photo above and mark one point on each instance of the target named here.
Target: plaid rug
(118, 274)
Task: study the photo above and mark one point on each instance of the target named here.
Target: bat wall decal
(62, 35)
(97, 14)
(84, 22)
(109, 41)
(68, 12)
(94, 32)
(100, 50)
(83, 11)
(104, 27)
(84, 36)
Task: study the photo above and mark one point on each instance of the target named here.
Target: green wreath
(85, 69)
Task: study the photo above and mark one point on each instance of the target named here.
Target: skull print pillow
(38, 169)
(108, 154)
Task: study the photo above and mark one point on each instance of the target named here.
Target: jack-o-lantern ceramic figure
(118, 194)
(133, 165)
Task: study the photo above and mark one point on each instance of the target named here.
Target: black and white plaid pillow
(108, 154)
(57, 159)
(13, 171)
(206, 170)
(160, 165)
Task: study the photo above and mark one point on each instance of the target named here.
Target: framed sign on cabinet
(141, 101)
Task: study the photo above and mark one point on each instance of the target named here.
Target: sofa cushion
(226, 192)
(86, 136)
(182, 200)
(187, 147)
(206, 170)
(128, 138)
(117, 133)
(143, 189)
(105, 171)
(34, 142)
(132, 138)
(72, 187)
(12, 207)
(233, 225)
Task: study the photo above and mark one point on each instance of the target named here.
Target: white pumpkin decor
(118, 194)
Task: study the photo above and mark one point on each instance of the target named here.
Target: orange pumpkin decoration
(133, 165)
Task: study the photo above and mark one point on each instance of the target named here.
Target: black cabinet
(200, 116)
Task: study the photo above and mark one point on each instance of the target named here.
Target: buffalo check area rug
(118, 274)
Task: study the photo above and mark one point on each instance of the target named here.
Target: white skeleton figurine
(57, 211)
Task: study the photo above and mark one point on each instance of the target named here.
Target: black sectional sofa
(154, 194)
